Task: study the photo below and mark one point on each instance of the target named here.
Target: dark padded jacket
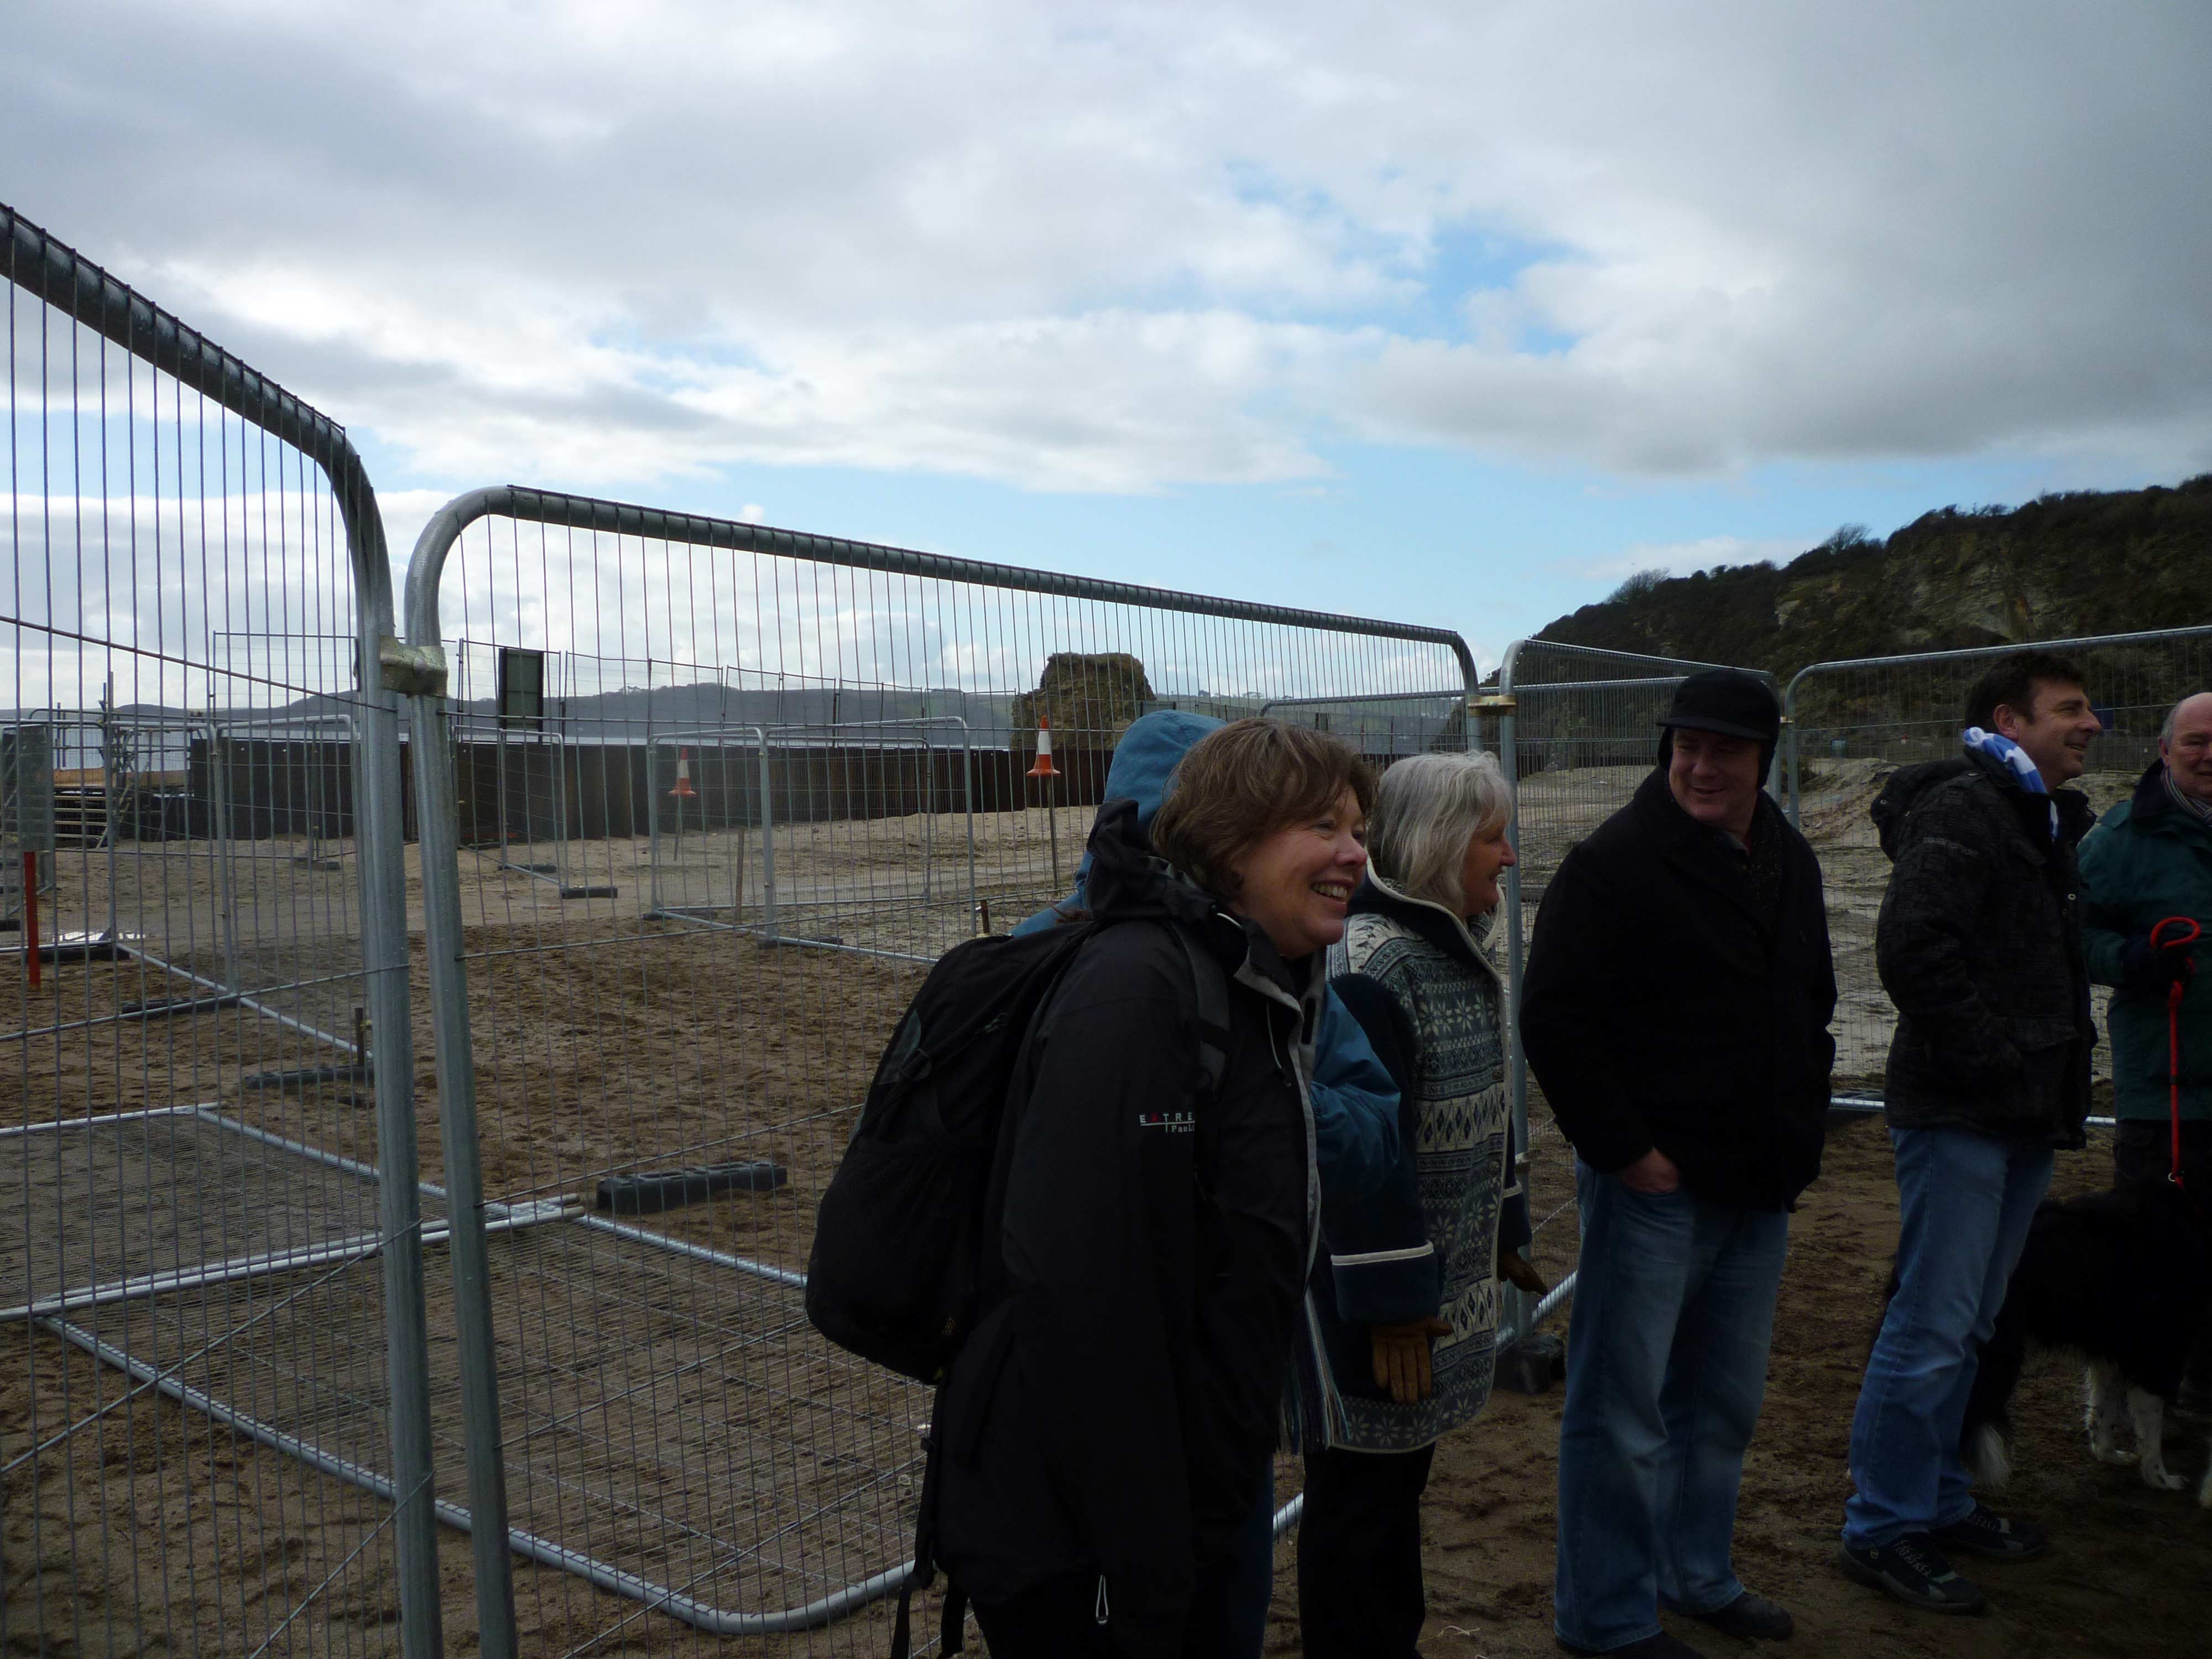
(1979, 946)
(2149, 860)
(1115, 1412)
(1660, 1008)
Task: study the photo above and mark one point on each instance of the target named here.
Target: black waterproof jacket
(1115, 1413)
(1660, 1007)
(1979, 946)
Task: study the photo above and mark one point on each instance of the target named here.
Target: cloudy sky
(1453, 313)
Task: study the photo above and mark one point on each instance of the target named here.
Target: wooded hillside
(2084, 562)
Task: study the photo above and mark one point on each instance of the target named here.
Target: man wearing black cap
(1675, 1012)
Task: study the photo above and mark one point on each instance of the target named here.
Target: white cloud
(1131, 247)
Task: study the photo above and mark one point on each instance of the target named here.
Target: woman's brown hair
(1242, 783)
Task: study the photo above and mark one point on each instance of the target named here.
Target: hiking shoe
(1986, 1534)
(1913, 1570)
(1661, 1646)
(1749, 1618)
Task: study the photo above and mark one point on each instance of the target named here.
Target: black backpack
(896, 1271)
(893, 1271)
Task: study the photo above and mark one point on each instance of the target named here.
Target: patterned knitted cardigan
(1429, 1000)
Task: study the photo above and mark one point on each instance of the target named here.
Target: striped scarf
(2201, 809)
(2013, 759)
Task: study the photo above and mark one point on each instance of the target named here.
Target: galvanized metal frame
(769, 926)
(74, 287)
(1988, 653)
(1524, 1311)
(1864, 1099)
(417, 668)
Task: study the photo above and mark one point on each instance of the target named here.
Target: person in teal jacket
(2148, 859)
(1355, 1103)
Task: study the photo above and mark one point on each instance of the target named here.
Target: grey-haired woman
(1405, 1289)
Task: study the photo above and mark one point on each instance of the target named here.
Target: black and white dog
(2124, 1280)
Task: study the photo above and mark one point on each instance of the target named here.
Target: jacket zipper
(1098, 1610)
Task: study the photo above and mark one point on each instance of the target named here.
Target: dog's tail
(1985, 1436)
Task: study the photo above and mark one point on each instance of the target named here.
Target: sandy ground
(671, 1415)
(2129, 1572)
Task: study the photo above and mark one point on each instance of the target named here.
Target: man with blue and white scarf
(1980, 947)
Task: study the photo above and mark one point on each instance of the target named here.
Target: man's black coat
(1979, 946)
(1664, 1005)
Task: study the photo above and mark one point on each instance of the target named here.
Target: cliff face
(2081, 563)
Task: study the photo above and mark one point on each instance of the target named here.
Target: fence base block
(1532, 1363)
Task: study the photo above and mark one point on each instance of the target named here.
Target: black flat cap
(1729, 702)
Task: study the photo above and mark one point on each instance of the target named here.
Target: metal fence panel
(216, 1439)
(1577, 731)
(818, 768)
(1853, 723)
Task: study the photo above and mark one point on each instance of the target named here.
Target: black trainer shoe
(1913, 1570)
(1991, 1536)
(1749, 1618)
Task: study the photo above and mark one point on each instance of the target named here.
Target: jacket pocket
(2033, 1033)
(2047, 1061)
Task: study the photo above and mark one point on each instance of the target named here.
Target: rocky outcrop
(1090, 699)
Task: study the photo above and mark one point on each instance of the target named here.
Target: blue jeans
(1666, 1369)
(1964, 1203)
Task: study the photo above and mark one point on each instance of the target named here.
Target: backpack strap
(1210, 990)
(1210, 995)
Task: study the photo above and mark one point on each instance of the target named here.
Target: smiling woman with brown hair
(1107, 1430)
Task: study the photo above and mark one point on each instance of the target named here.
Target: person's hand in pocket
(1652, 1174)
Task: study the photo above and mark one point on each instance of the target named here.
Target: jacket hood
(1128, 882)
(1147, 756)
(1144, 760)
(2150, 806)
(1909, 785)
(1464, 941)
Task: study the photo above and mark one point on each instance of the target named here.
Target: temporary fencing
(698, 803)
(1852, 724)
(1578, 730)
(202, 1003)
(831, 749)
(721, 801)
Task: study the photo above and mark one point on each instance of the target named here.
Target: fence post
(1516, 1065)
(767, 843)
(77, 289)
(418, 670)
(380, 869)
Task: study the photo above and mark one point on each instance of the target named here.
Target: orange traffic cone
(684, 790)
(1044, 767)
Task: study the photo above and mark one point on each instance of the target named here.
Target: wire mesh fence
(822, 769)
(1578, 730)
(1854, 724)
(202, 1260)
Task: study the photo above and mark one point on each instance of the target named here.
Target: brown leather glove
(1516, 1270)
(1402, 1357)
